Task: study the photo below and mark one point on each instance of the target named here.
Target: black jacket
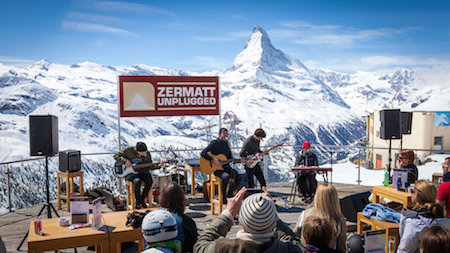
(217, 147)
(308, 159)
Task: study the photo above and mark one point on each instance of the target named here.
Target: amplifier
(69, 161)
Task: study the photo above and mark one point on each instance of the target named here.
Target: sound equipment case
(69, 161)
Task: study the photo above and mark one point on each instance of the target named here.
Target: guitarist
(125, 156)
(221, 146)
(251, 147)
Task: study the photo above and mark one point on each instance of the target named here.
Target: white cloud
(15, 61)
(305, 33)
(120, 6)
(94, 28)
(73, 15)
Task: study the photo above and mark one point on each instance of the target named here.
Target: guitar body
(122, 170)
(209, 167)
(256, 158)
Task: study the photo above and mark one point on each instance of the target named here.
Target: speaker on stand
(43, 142)
(390, 128)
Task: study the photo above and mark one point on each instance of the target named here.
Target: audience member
(262, 230)
(159, 229)
(326, 205)
(405, 160)
(435, 239)
(423, 214)
(317, 232)
(173, 200)
(443, 198)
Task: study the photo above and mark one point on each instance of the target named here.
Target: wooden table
(108, 239)
(56, 238)
(193, 169)
(392, 194)
(392, 229)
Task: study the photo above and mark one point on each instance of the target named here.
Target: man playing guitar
(221, 146)
(251, 147)
(125, 156)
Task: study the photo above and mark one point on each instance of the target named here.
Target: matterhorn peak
(260, 53)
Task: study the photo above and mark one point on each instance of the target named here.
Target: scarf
(241, 234)
(171, 244)
(446, 177)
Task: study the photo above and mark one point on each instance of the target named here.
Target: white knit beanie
(258, 214)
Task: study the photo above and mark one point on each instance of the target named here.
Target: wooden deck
(14, 225)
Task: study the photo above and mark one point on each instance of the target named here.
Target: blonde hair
(426, 193)
(326, 203)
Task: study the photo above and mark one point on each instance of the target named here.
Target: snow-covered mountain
(264, 88)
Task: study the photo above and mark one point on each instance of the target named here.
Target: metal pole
(359, 166)
(265, 169)
(8, 172)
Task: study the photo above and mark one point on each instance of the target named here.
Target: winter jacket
(250, 147)
(337, 241)
(380, 212)
(308, 159)
(213, 240)
(413, 225)
(130, 153)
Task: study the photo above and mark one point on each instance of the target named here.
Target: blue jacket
(380, 212)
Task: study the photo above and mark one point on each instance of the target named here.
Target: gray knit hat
(258, 214)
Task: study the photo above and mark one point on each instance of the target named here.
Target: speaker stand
(390, 159)
(47, 205)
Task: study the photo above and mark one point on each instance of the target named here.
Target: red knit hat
(306, 144)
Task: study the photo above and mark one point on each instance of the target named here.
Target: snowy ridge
(264, 88)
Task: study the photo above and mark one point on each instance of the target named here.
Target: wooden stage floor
(14, 225)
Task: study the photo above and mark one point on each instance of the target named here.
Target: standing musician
(251, 147)
(221, 146)
(125, 156)
(306, 182)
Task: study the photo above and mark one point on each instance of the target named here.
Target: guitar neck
(144, 165)
(230, 160)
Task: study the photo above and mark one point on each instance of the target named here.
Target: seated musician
(126, 156)
(306, 182)
(221, 146)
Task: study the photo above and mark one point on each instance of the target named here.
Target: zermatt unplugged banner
(142, 96)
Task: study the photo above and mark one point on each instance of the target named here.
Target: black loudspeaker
(390, 124)
(353, 204)
(43, 135)
(406, 121)
(69, 161)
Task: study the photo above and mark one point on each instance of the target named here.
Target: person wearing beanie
(138, 154)
(217, 147)
(251, 147)
(306, 181)
(262, 230)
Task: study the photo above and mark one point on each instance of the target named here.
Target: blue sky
(343, 36)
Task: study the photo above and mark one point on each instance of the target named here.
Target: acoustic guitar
(209, 167)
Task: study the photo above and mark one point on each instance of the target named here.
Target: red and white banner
(142, 96)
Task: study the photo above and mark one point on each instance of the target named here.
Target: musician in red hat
(306, 182)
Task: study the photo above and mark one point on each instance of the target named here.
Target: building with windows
(426, 132)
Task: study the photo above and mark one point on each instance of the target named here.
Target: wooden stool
(131, 200)
(216, 182)
(70, 186)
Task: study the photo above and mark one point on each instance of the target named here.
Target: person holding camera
(262, 230)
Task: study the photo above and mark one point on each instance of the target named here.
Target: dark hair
(317, 231)
(260, 133)
(435, 239)
(172, 198)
